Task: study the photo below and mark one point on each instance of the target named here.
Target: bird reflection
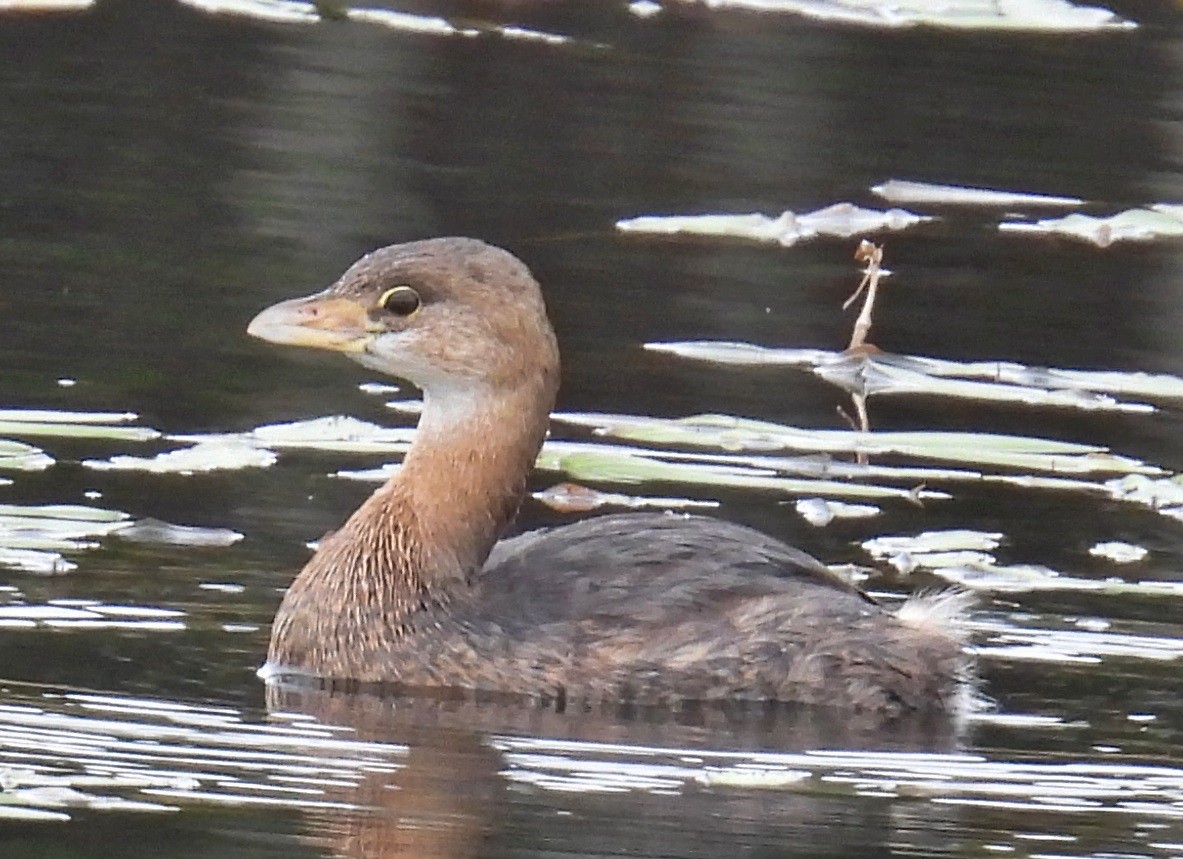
(453, 796)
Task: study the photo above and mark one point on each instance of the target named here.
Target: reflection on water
(167, 173)
(359, 776)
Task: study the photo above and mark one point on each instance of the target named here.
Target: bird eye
(400, 300)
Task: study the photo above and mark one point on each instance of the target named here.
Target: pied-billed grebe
(414, 589)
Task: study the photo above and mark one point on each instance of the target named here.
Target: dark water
(164, 174)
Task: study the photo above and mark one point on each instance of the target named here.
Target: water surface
(167, 173)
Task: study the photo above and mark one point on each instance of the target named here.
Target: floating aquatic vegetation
(408, 22)
(1133, 225)
(44, 5)
(729, 433)
(741, 354)
(91, 614)
(295, 12)
(66, 424)
(876, 373)
(608, 466)
(59, 796)
(822, 511)
(955, 540)
(1019, 15)
(573, 498)
(841, 219)
(90, 517)
(369, 475)
(908, 192)
(863, 370)
(644, 8)
(35, 561)
(330, 433)
(380, 388)
(18, 456)
(157, 533)
(869, 374)
(1164, 495)
(1119, 552)
(628, 464)
(216, 455)
(963, 557)
(33, 538)
(809, 465)
(336, 432)
(278, 11)
(14, 811)
(934, 550)
(406, 407)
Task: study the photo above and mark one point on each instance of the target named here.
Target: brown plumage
(414, 590)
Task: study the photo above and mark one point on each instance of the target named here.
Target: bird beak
(320, 321)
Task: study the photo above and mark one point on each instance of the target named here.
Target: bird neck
(422, 535)
(467, 471)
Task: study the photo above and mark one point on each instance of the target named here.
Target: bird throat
(419, 541)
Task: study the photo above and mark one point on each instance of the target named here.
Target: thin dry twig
(872, 255)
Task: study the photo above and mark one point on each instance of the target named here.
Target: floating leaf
(841, 219)
(1165, 495)
(375, 475)
(904, 191)
(1119, 552)
(820, 464)
(573, 498)
(987, 15)
(35, 561)
(742, 354)
(882, 373)
(18, 456)
(1132, 225)
(222, 454)
(91, 614)
(11, 811)
(644, 8)
(32, 538)
(428, 24)
(331, 433)
(961, 557)
(607, 467)
(63, 513)
(57, 796)
(55, 416)
(44, 5)
(295, 12)
(381, 388)
(820, 511)
(959, 539)
(156, 532)
(77, 430)
(277, 11)
(732, 433)
(869, 376)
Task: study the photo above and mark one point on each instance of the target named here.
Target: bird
(416, 592)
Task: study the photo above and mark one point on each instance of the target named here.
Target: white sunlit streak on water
(1011, 640)
(92, 750)
(59, 752)
(1034, 795)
